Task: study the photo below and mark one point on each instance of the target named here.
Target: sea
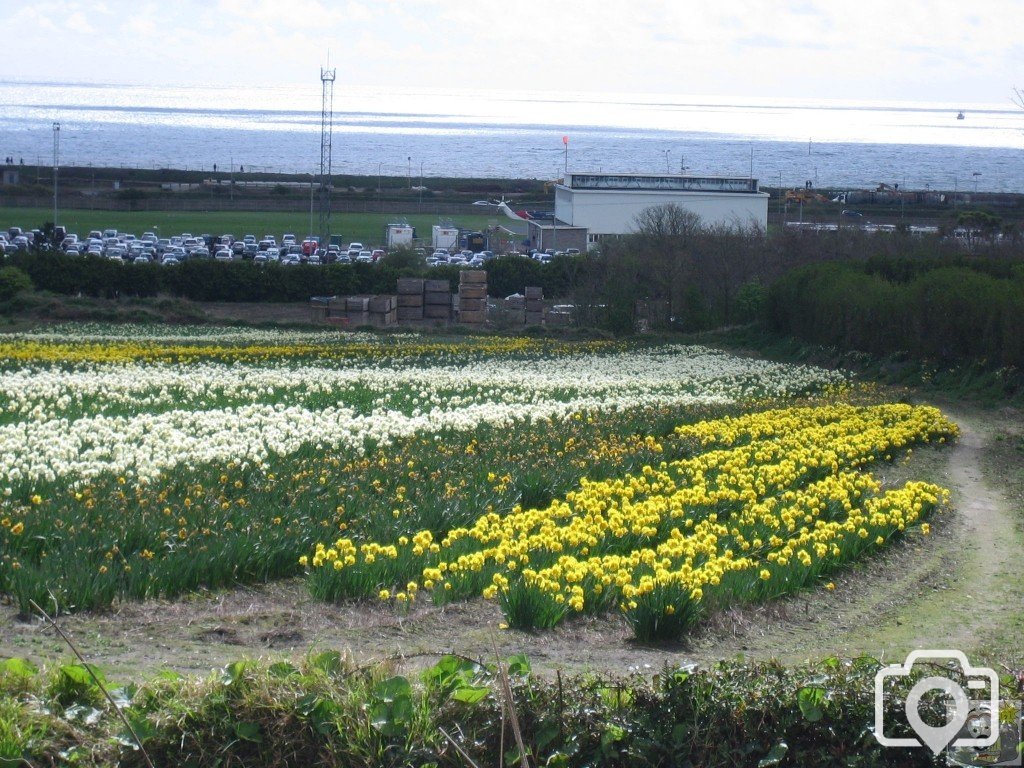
(413, 134)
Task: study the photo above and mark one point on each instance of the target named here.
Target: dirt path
(962, 587)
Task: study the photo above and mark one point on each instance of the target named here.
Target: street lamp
(667, 153)
(976, 174)
(56, 165)
(312, 178)
(408, 173)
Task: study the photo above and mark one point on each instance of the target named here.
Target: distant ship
(959, 115)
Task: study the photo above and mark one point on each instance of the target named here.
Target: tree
(664, 240)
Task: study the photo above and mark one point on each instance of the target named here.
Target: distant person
(21, 160)
(241, 169)
(214, 167)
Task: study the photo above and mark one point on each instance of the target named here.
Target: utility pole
(56, 166)
(312, 178)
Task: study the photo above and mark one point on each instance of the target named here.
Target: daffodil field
(557, 478)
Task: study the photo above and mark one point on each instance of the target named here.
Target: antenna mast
(326, 124)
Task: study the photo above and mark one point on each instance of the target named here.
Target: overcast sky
(956, 51)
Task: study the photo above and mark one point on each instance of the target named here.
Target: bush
(12, 282)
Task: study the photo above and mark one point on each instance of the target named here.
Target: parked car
(354, 249)
(365, 257)
(377, 254)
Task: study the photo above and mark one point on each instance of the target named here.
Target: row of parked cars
(15, 239)
(151, 248)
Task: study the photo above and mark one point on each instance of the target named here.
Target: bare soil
(961, 587)
(295, 313)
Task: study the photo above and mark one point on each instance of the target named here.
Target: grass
(367, 228)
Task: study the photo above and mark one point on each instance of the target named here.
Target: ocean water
(409, 133)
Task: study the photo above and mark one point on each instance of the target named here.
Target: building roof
(640, 182)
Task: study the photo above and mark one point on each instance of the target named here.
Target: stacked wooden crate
(410, 299)
(320, 308)
(383, 311)
(472, 297)
(437, 300)
(534, 305)
(515, 309)
(357, 310)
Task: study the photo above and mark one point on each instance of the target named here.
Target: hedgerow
(324, 710)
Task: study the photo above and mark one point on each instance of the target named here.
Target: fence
(261, 205)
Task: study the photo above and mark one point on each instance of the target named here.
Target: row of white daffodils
(46, 393)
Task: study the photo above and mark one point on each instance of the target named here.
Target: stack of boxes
(515, 307)
(534, 305)
(437, 300)
(472, 297)
(383, 311)
(410, 299)
(357, 310)
(353, 311)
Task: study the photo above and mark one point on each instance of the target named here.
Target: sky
(879, 50)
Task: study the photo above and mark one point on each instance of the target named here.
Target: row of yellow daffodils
(767, 503)
(25, 349)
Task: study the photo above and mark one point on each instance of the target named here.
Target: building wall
(613, 212)
(560, 238)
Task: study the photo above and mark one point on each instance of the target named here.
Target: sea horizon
(462, 132)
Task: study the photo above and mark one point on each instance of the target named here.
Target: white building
(608, 204)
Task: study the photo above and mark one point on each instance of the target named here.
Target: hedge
(209, 280)
(949, 314)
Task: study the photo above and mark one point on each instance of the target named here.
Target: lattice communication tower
(326, 124)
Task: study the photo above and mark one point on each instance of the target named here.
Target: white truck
(444, 238)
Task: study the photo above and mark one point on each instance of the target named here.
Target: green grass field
(367, 228)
